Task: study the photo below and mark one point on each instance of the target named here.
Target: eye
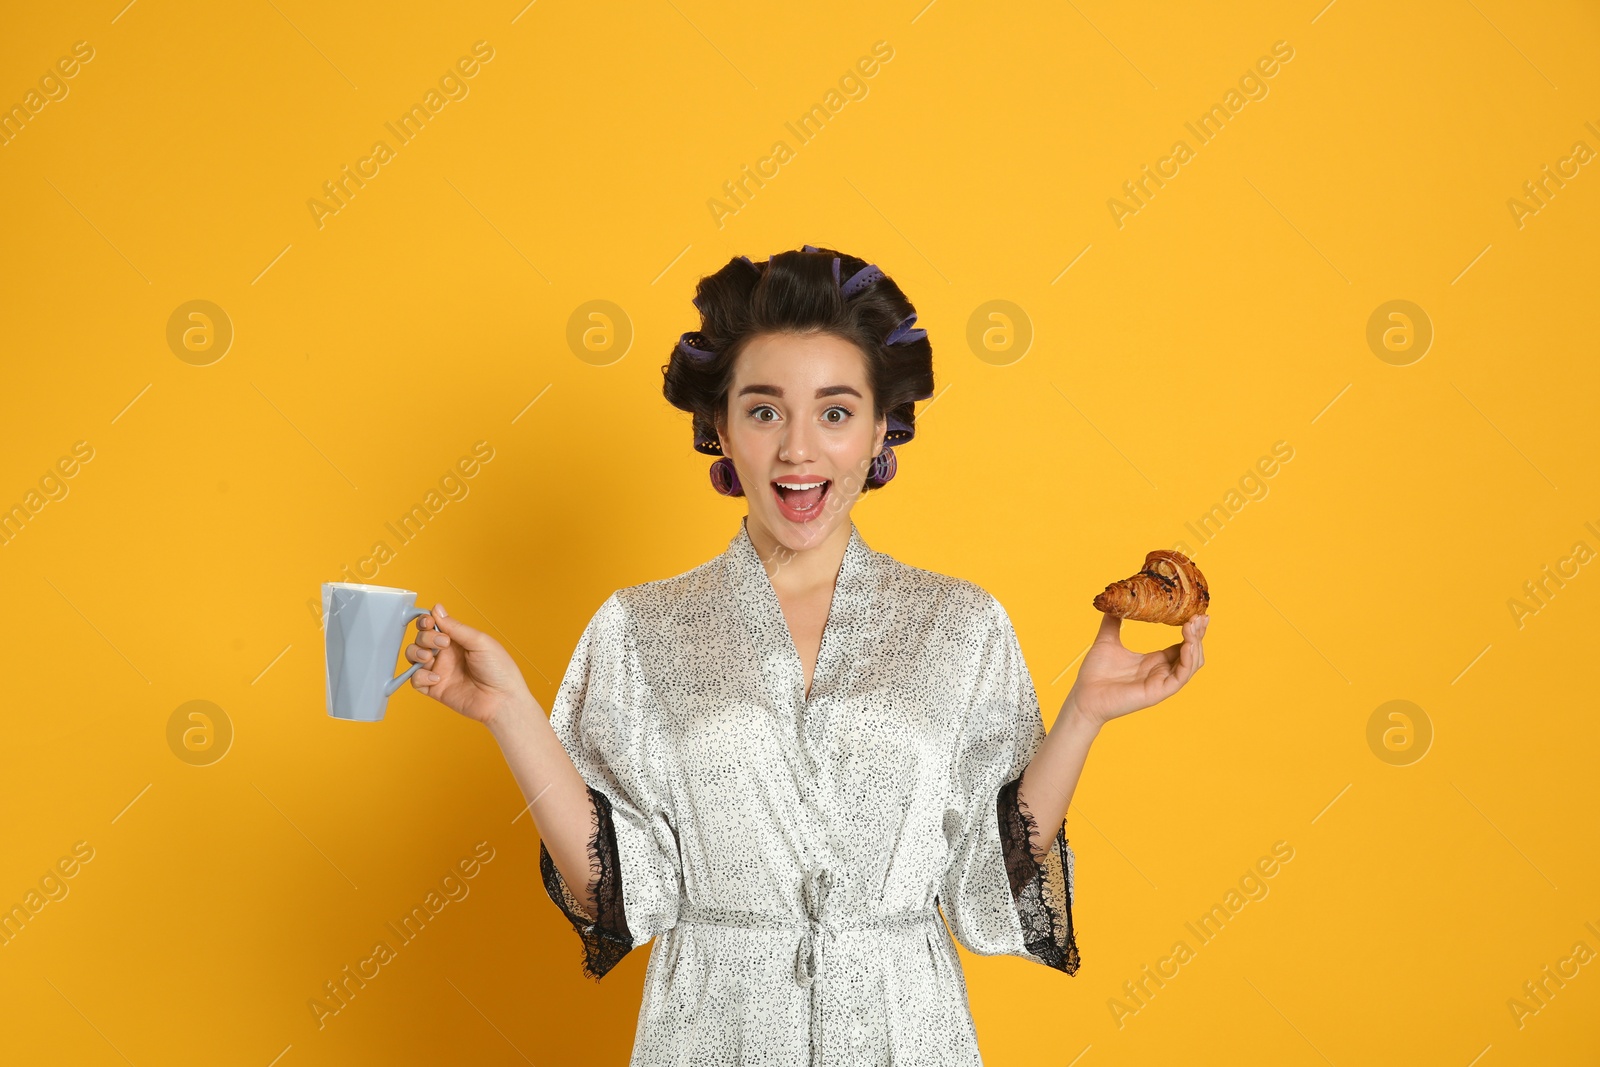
(845, 413)
(755, 412)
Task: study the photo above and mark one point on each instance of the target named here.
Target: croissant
(1170, 589)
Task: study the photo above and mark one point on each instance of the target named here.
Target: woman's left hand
(1115, 680)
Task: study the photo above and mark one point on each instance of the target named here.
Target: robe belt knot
(818, 928)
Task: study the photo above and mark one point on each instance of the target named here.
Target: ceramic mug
(363, 627)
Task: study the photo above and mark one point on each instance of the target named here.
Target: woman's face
(801, 432)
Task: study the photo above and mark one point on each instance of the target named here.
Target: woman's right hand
(464, 669)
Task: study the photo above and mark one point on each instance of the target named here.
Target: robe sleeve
(1009, 888)
(606, 718)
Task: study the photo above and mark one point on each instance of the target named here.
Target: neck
(803, 568)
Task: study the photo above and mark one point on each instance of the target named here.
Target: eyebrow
(826, 390)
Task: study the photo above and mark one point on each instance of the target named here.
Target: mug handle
(389, 690)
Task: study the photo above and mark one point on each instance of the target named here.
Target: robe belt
(817, 930)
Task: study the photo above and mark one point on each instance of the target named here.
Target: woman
(784, 764)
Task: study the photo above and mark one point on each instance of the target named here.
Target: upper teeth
(800, 485)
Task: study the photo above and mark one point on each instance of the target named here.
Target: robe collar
(851, 617)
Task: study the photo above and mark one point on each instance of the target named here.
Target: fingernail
(443, 614)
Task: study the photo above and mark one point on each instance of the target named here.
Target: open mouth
(800, 499)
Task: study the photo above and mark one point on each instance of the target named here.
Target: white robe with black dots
(790, 854)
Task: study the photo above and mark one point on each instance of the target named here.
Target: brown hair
(806, 291)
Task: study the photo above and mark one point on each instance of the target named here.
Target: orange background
(1170, 349)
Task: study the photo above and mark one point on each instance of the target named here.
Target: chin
(798, 539)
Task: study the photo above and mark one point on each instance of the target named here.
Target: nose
(796, 445)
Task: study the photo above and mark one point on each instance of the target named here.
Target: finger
(1193, 653)
(429, 633)
(418, 654)
(1169, 680)
(458, 631)
(1182, 658)
(1110, 628)
(1172, 677)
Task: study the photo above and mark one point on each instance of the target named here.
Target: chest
(876, 725)
(807, 619)
(850, 703)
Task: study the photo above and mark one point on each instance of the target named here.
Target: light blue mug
(363, 626)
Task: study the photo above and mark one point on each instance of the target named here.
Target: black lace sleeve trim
(1041, 882)
(605, 937)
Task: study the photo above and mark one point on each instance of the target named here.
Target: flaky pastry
(1170, 589)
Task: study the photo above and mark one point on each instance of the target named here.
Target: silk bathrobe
(791, 854)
